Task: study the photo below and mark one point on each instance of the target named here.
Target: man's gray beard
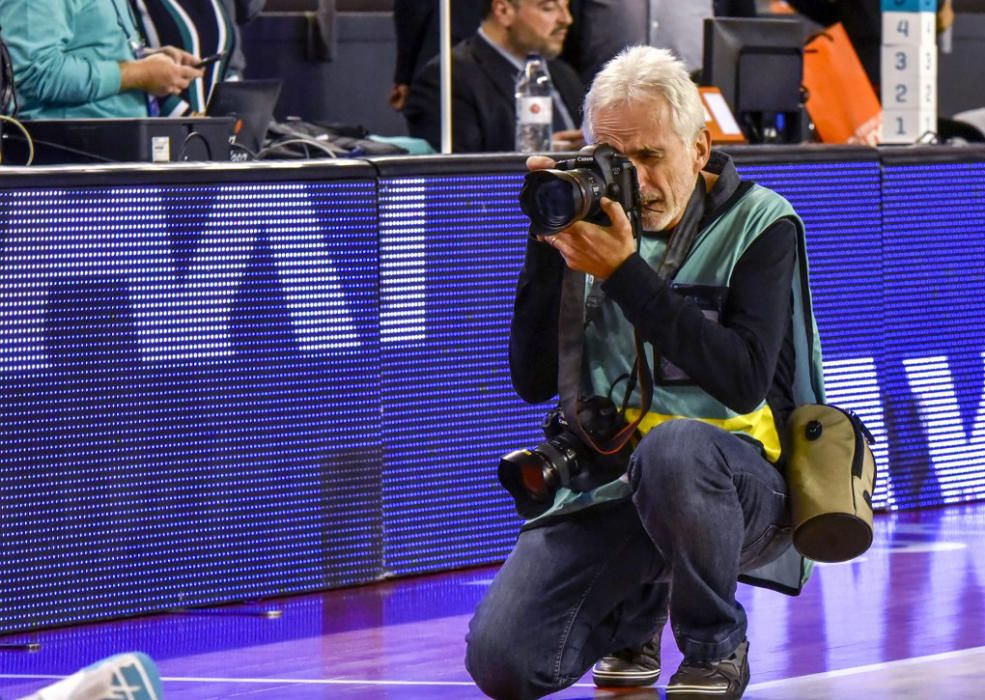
(655, 222)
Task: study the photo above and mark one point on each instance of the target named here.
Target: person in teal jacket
(76, 59)
(715, 292)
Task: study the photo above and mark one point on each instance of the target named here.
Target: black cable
(305, 142)
(248, 151)
(61, 147)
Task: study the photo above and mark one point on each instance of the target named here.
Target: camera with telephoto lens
(573, 190)
(534, 476)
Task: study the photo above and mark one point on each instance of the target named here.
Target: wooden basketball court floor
(907, 620)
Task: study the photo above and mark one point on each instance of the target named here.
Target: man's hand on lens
(597, 250)
(540, 163)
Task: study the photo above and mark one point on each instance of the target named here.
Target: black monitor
(758, 64)
(252, 103)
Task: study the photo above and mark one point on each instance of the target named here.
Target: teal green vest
(610, 352)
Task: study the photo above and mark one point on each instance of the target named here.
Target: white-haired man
(731, 342)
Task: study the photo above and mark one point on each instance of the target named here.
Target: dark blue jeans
(705, 506)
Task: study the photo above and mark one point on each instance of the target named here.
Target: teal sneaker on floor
(130, 676)
(134, 677)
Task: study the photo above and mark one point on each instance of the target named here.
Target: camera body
(572, 191)
(534, 476)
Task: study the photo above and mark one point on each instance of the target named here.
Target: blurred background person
(862, 20)
(603, 28)
(483, 74)
(86, 59)
(202, 28)
(416, 23)
(241, 11)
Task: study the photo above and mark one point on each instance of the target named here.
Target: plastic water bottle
(534, 109)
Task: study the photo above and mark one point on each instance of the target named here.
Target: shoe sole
(615, 679)
(684, 692)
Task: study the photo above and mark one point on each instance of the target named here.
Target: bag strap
(807, 311)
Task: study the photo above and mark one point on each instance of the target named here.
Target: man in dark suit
(484, 70)
(416, 25)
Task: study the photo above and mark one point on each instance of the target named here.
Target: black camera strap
(682, 238)
(571, 324)
(593, 303)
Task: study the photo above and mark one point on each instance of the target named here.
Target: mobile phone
(209, 60)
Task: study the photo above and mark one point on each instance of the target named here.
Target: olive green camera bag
(831, 475)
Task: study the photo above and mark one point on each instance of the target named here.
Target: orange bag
(840, 99)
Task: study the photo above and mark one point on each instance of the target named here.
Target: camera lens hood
(555, 199)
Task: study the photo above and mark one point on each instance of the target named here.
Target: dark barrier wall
(235, 382)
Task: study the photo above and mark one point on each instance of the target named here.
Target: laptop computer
(251, 103)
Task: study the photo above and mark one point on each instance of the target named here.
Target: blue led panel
(218, 393)
(934, 226)
(840, 206)
(853, 283)
(450, 252)
(189, 396)
(898, 279)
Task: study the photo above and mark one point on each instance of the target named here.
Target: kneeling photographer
(664, 301)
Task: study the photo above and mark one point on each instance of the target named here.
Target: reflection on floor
(905, 621)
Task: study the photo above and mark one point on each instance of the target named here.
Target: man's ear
(702, 149)
(503, 11)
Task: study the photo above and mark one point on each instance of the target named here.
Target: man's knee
(494, 664)
(674, 455)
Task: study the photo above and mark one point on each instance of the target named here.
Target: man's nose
(642, 176)
(566, 19)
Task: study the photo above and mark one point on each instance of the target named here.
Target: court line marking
(856, 670)
(272, 681)
(932, 658)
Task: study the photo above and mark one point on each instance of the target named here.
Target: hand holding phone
(209, 60)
